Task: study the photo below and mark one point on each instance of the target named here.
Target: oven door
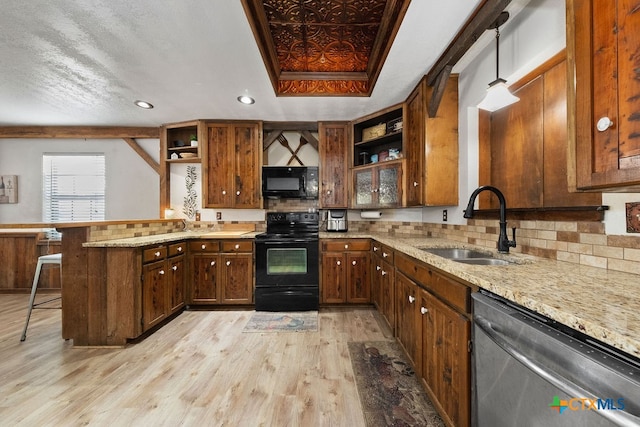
(287, 262)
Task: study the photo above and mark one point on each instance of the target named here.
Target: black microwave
(290, 182)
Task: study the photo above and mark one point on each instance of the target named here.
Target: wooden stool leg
(36, 278)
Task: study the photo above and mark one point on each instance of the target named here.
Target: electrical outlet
(218, 216)
(444, 214)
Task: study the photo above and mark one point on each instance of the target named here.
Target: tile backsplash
(583, 243)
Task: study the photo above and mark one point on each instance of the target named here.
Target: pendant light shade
(498, 95)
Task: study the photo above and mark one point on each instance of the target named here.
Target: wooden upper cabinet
(232, 165)
(334, 162)
(523, 147)
(602, 41)
(431, 147)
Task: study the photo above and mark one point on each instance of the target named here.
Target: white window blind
(74, 187)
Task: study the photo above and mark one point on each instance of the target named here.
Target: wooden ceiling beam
(479, 21)
(79, 132)
(145, 156)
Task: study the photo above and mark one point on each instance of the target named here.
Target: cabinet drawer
(201, 246)
(454, 293)
(154, 254)
(237, 246)
(177, 249)
(346, 245)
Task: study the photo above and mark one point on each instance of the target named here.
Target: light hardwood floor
(199, 370)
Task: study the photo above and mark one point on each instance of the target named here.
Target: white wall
(133, 188)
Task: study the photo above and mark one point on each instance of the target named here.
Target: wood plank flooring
(199, 370)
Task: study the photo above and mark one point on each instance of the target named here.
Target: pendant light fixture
(498, 95)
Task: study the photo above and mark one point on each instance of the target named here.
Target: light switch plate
(633, 217)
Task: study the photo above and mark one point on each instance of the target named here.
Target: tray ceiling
(324, 47)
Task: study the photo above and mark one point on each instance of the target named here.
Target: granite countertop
(136, 242)
(601, 303)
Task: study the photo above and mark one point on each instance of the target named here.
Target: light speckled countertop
(158, 239)
(601, 303)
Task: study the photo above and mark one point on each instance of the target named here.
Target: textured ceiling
(324, 47)
(73, 62)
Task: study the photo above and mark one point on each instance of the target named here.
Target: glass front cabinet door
(378, 186)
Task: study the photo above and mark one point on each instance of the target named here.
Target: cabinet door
(154, 296)
(175, 284)
(604, 41)
(388, 289)
(218, 167)
(363, 187)
(376, 282)
(334, 160)
(333, 278)
(247, 152)
(389, 185)
(237, 287)
(446, 358)
(358, 284)
(205, 280)
(413, 145)
(408, 327)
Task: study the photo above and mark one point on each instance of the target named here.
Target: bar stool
(44, 259)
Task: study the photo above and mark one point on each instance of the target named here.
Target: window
(73, 187)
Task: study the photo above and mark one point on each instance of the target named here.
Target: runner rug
(390, 392)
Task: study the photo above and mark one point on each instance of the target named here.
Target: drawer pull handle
(384, 273)
(161, 272)
(237, 246)
(224, 192)
(346, 246)
(375, 249)
(604, 123)
(179, 248)
(353, 263)
(415, 184)
(378, 268)
(174, 268)
(204, 246)
(328, 192)
(157, 253)
(213, 263)
(411, 299)
(238, 193)
(384, 254)
(339, 263)
(423, 310)
(228, 263)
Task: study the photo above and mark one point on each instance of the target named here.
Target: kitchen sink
(457, 253)
(483, 261)
(467, 256)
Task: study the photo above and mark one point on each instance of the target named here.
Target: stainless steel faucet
(503, 241)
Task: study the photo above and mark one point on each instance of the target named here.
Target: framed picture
(8, 188)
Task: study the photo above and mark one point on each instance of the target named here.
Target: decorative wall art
(8, 188)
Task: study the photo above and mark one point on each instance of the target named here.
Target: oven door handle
(286, 241)
(567, 386)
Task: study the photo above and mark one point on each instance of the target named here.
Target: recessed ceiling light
(246, 100)
(144, 104)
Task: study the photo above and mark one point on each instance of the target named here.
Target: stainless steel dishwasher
(531, 371)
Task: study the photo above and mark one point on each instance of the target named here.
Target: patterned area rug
(390, 392)
(262, 321)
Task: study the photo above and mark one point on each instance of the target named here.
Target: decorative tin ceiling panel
(330, 47)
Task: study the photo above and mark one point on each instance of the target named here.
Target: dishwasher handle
(568, 387)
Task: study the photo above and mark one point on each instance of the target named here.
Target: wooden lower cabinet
(162, 283)
(221, 272)
(345, 271)
(433, 326)
(446, 361)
